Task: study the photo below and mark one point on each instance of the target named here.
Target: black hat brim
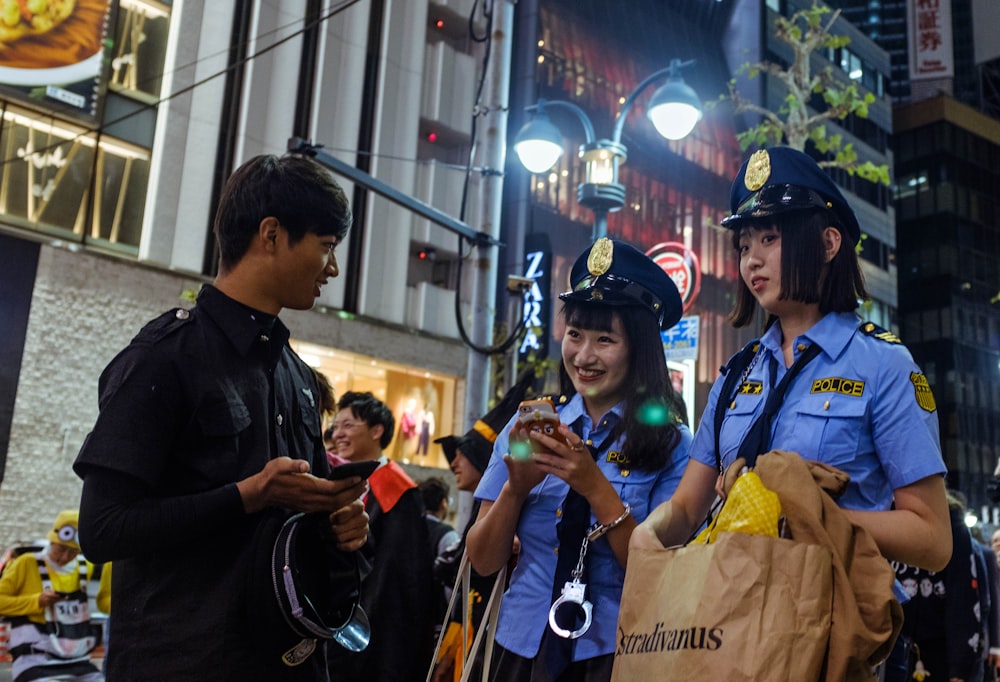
(667, 314)
(801, 199)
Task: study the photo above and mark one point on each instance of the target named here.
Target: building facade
(110, 177)
(109, 183)
(947, 161)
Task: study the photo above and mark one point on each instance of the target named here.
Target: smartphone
(539, 415)
(362, 469)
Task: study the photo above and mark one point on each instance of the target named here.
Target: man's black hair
(371, 411)
(434, 491)
(296, 190)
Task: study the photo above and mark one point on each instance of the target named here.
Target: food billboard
(52, 53)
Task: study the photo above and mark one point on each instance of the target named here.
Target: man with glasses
(398, 593)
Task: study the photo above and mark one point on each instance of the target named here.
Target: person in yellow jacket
(44, 596)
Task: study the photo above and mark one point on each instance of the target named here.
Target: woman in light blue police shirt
(619, 452)
(861, 405)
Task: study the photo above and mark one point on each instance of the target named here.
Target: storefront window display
(46, 181)
(422, 402)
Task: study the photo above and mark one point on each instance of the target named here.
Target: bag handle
(463, 583)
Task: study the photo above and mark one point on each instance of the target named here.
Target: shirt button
(558, 513)
(589, 442)
(556, 549)
(826, 405)
(182, 314)
(264, 338)
(801, 347)
(280, 420)
(625, 473)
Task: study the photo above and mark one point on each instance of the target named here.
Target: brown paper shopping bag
(747, 608)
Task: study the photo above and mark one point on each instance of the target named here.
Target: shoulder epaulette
(555, 398)
(164, 325)
(872, 329)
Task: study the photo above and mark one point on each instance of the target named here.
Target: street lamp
(674, 110)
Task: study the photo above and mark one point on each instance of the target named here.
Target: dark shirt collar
(244, 326)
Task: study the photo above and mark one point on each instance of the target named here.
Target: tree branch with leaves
(794, 124)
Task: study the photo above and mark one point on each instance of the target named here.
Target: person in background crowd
(398, 594)
(944, 615)
(44, 595)
(618, 452)
(440, 536)
(208, 430)
(858, 402)
(468, 456)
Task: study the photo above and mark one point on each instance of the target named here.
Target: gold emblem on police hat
(758, 170)
(601, 255)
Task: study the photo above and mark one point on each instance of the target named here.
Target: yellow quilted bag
(749, 508)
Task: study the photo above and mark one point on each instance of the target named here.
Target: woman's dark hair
(371, 411)
(837, 286)
(648, 390)
(296, 190)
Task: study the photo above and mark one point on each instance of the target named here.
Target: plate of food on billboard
(53, 50)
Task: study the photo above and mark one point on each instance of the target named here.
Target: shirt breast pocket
(739, 418)
(224, 420)
(830, 426)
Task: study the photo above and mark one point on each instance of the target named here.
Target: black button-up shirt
(199, 400)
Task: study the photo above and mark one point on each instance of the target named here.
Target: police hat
(782, 179)
(477, 443)
(615, 273)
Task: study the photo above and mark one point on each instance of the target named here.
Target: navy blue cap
(783, 179)
(615, 273)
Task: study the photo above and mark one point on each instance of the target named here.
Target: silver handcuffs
(574, 591)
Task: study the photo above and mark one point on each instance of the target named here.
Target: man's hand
(349, 526)
(286, 482)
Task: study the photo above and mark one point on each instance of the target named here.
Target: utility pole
(493, 111)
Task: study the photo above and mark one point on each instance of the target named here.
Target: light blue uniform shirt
(524, 611)
(862, 405)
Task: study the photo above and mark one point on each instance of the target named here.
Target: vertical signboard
(930, 40)
(52, 53)
(537, 306)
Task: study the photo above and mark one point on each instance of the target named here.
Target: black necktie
(758, 439)
(557, 652)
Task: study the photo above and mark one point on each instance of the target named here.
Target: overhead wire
(520, 327)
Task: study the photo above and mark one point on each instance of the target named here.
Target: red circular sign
(681, 264)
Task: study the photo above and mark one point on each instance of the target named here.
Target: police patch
(751, 388)
(850, 387)
(616, 457)
(922, 390)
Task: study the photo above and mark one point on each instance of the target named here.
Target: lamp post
(674, 110)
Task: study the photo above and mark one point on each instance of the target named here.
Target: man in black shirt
(208, 423)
